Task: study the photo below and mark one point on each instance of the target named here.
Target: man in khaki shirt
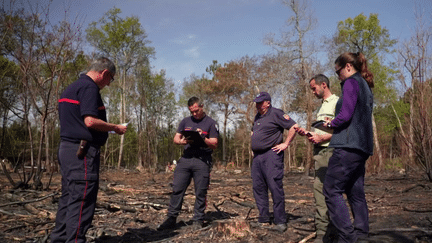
(320, 87)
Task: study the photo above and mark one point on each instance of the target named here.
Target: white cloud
(185, 39)
(192, 52)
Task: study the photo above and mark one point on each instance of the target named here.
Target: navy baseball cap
(262, 96)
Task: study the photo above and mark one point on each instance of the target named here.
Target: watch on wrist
(329, 125)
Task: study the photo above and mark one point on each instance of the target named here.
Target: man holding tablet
(195, 162)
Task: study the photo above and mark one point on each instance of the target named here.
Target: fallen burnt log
(415, 186)
(417, 210)
(23, 202)
(29, 208)
(115, 207)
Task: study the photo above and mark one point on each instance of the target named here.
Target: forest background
(39, 58)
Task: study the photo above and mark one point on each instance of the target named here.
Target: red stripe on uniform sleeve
(76, 102)
(101, 108)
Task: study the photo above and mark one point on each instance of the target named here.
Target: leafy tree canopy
(124, 39)
(364, 35)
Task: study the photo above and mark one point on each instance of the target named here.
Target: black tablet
(195, 137)
(320, 125)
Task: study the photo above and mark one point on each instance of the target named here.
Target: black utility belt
(83, 147)
(261, 151)
(198, 156)
(320, 147)
(90, 144)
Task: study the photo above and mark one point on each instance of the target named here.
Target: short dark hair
(194, 100)
(101, 64)
(319, 79)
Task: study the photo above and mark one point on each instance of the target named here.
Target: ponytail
(359, 62)
(366, 74)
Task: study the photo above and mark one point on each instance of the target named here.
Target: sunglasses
(339, 70)
(112, 77)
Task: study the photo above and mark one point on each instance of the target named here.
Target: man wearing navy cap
(268, 162)
(83, 130)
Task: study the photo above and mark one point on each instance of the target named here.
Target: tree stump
(232, 228)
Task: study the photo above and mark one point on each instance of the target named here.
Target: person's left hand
(327, 120)
(315, 138)
(200, 131)
(280, 147)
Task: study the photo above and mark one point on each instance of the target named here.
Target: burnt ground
(131, 205)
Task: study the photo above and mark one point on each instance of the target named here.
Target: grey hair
(101, 64)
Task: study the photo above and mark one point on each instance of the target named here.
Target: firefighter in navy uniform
(83, 130)
(195, 163)
(268, 162)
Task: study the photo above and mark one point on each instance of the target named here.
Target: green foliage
(8, 83)
(364, 35)
(384, 78)
(197, 86)
(395, 164)
(123, 39)
(74, 67)
(130, 148)
(156, 114)
(15, 134)
(386, 116)
(213, 67)
(16, 146)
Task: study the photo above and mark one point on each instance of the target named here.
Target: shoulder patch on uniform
(286, 116)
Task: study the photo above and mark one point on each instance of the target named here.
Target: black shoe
(169, 223)
(280, 227)
(196, 225)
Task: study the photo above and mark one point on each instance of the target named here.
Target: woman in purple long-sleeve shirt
(353, 142)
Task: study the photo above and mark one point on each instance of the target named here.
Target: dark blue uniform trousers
(267, 173)
(80, 183)
(345, 174)
(188, 168)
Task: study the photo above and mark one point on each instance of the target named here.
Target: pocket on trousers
(279, 170)
(92, 153)
(83, 184)
(336, 168)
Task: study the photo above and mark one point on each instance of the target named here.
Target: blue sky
(188, 34)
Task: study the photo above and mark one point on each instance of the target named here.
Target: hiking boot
(319, 238)
(198, 224)
(280, 227)
(169, 223)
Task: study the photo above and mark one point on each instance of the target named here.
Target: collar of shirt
(330, 98)
(198, 120)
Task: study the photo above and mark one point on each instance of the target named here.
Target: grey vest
(356, 133)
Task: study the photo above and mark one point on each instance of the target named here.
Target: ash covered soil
(131, 204)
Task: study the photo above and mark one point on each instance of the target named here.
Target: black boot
(198, 224)
(169, 223)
